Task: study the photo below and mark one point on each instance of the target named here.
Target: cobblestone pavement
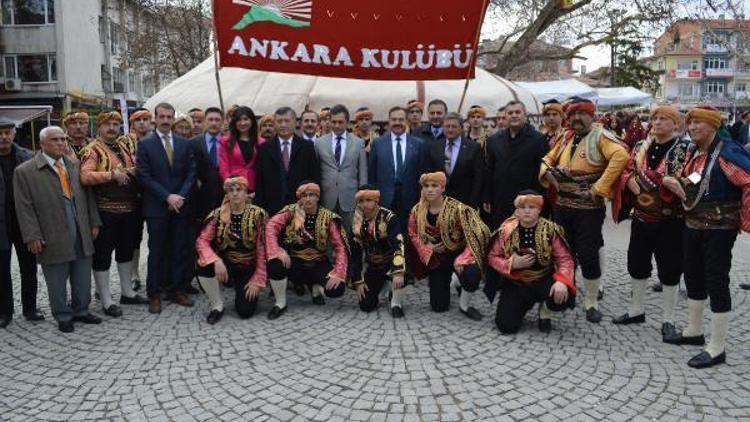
(334, 363)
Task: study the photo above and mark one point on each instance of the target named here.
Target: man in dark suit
(284, 162)
(395, 164)
(460, 159)
(736, 129)
(513, 158)
(166, 169)
(433, 130)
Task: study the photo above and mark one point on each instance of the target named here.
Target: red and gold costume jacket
(76, 151)
(289, 230)
(98, 160)
(379, 243)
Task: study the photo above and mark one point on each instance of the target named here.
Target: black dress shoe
(65, 326)
(745, 286)
(135, 300)
(626, 319)
(679, 339)
(657, 287)
(704, 360)
(114, 311)
(593, 315)
(88, 319)
(545, 325)
(5, 320)
(276, 312)
(600, 295)
(472, 313)
(397, 312)
(318, 300)
(668, 331)
(136, 285)
(299, 289)
(191, 290)
(214, 316)
(34, 316)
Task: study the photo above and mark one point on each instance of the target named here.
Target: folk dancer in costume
(583, 169)
(477, 132)
(77, 130)
(448, 237)
(325, 121)
(657, 219)
(553, 127)
(108, 166)
(231, 249)
(715, 189)
(414, 112)
(140, 128)
(297, 241)
(532, 263)
(376, 241)
(363, 127)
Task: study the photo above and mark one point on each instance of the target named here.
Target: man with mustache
(77, 128)
(140, 128)
(582, 171)
(108, 166)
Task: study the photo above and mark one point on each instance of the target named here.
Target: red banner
(362, 39)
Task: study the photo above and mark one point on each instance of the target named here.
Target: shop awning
(22, 114)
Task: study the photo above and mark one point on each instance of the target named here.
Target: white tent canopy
(626, 95)
(559, 90)
(264, 92)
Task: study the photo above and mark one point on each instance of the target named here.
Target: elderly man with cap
(532, 263)
(363, 126)
(77, 128)
(415, 110)
(658, 219)
(12, 156)
(297, 243)
(140, 128)
(714, 186)
(552, 128)
(448, 237)
(108, 166)
(231, 249)
(376, 243)
(583, 170)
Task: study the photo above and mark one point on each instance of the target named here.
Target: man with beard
(658, 219)
(77, 128)
(297, 244)
(582, 170)
(309, 122)
(433, 130)
(715, 190)
(376, 241)
(552, 128)
(108, 165)
(414, 112)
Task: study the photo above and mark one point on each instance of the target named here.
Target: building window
(27, 12)
(687, 90)
(115, 38)
(741, 87)
(118, 80)
(131, 82)
(31, 68)
(714, 88)
(691, 65)
(715, 63)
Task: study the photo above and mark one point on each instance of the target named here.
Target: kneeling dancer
(448, 237)
(297, 240)
(533, 264)
(231, 249)
(715, 189)
(376, 240)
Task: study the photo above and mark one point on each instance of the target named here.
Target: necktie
(337, 153)
(62, 174)
(436, 131)
(212, 153)
(449, 158)
(285, 155)
(399, 156)
(168, 148)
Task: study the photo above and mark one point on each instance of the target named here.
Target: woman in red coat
(238, 152)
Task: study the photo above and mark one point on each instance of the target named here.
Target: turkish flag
(362, 39)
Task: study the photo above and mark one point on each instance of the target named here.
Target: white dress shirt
(343, 146)
(403, 149)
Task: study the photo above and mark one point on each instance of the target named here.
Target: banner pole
(474, 60)
(216, 56)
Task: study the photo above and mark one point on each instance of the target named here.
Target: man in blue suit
(395, 164)
(166, 169)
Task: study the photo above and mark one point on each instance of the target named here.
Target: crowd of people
(322, 202)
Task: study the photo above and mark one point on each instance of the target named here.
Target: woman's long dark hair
(234, 134)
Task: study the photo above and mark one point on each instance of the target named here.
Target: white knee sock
(639, 294)
(669, 296)
(136, 272)
(592, 289)
(211, 286)
(317, 290)
(465, 300)
(602, 267)
(279, 292)
(396, 298)
(455, 282)
(544, 312)
(101, 278)
(695, 318)
(125, 271)
(719, 329)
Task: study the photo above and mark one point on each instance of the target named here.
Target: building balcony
(715, 48)
(719, 73)
(684, 74)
